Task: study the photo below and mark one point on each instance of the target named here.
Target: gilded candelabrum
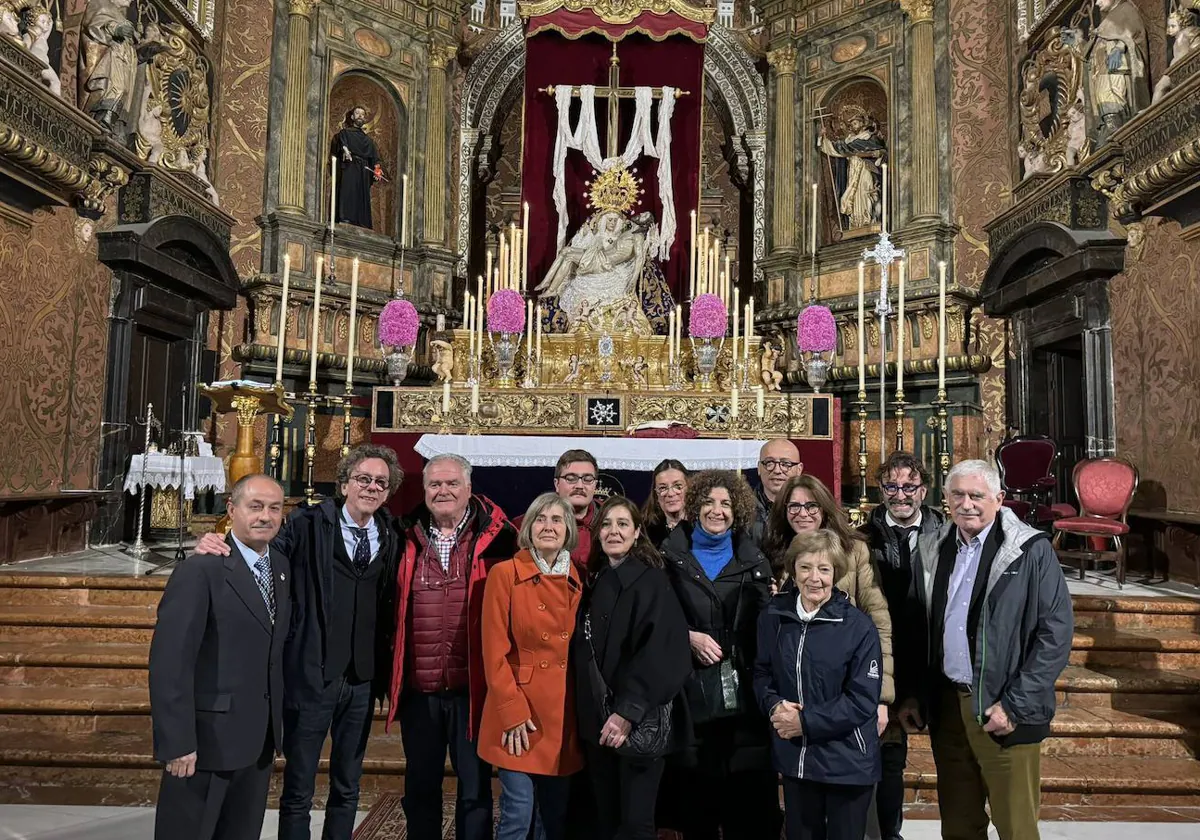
(347, 409)
(861, 405)
(940, 423)
(900, 403)
(311, 399)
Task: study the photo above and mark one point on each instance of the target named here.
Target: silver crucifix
(883, 254)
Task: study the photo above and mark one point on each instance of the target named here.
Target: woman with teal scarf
(722, 580)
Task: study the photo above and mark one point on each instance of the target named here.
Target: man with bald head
(778, 460)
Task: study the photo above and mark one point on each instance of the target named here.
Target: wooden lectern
(248, 399)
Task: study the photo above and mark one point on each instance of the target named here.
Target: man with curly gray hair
(343, 555)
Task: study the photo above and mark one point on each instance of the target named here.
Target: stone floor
(47, 822)
(113, 560)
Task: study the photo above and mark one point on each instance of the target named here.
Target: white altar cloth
(612, 453)
(200, 472)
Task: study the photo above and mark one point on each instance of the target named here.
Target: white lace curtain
(585, 138)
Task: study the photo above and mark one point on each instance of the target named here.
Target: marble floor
(113, 560)
(47, 822)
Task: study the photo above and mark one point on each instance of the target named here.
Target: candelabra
(900, 403)
(861, 405)
(311, 398)
(940, 425)
(531, 371)
(347, 408)
(139, 549)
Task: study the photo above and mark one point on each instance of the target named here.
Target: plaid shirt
(445, 544)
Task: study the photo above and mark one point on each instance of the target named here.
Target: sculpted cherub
(771, 378)
(443, 367)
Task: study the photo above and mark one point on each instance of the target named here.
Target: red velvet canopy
(573, 48)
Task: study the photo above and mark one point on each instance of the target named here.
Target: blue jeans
(522, 795)
(344, 712)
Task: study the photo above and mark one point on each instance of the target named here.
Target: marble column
(783, 215)
(293, 172)
(925, 172)
(440, 56)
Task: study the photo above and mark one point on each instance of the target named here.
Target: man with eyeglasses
(892, 533)
(343, 556)
(778, 460)
(575, 478)
(451, 542)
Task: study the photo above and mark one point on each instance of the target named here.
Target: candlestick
(333, 191)
(474, 398)
(692, 261)
(733, 402)
(404, 212)
(525, 248)
(747, 333)
(900, 330)
(528, 327)
(813, 238)
(760, 401)
(283, 313)
(350, 339)
(941, 326)
(446, 397)
(862, 332)
(884, 218)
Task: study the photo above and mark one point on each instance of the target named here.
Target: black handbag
(648, 738)
(716, 691)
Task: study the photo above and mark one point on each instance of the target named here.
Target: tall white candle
(441, 322)
(703, 283)
(728, 278)
(351, 339)
(736, 323)
(333, 168)
(503, 266)
(316, 322)
(466, 316)
(404, 212)
(514, 253)
(525, 249)
(469, 324)
(671, 338)
(474, 398)
(283, 313)
(862, 333)
(760, 400)
(747, 333)
(750, 320)
(692, 261)
(885, 200)
(942, 326)
(446, 397)
(478, 321)
(900, 328)
(813, 238)
(488, 272)
(733, 401)
(528, 327)
(678, 332)
(539, 333)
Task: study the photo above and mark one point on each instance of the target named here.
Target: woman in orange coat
(528, 729)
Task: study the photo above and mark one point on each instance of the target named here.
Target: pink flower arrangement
(816, 331)
(398, 324)
(709, 318)
(506, 312)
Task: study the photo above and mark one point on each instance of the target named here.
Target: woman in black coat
(817, 675)
(632, 623)
(722, 581)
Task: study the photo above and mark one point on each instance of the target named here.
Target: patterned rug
(385, 821)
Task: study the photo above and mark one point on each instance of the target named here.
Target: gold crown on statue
(617, 189)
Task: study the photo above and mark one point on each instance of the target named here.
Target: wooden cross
(614, 93)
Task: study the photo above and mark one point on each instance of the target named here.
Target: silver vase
(818, 371)
(706, 362)
(505, 350)
(397, 364)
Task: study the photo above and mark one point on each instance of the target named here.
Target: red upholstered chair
(1026, 466)
(1105, 487)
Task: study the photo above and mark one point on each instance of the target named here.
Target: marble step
(18, 589)
(1134, 690)
(33, 624)
(74, 664)
(1155, 648)
(1094, 612)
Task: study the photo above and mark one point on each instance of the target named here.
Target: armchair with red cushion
(1026, 466)
(1105, 488)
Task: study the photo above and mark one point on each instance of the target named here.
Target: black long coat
(640, 639)
(738, 742)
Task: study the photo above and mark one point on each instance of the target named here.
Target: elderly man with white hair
(993, 602)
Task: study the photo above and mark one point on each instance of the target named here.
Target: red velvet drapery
(552, 59)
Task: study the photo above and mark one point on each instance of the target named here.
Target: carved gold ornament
(617, 190)
(178, 81)
(1050, 82)
(619, 11)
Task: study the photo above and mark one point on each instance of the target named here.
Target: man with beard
(357, 158)
(343, 557)
(452, 540)
(892, 533)
(778, 460)
(575, 478)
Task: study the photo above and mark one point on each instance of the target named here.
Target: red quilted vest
(436, 625)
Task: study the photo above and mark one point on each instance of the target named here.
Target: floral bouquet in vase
(707, 323)
(506, 316)
(816, 339)
(398, 327)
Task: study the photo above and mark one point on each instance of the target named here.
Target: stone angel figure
(10, 21)
(1183, 27)
(37, 41)
(443, 366)
(769, 357)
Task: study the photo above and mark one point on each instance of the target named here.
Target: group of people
(620, 667)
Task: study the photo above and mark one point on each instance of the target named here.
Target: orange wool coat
(528, 620)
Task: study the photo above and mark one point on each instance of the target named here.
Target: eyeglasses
(365, 481)
(809, 508)
(906, 489)
(572, 478)
(667, 489)
(773, 465)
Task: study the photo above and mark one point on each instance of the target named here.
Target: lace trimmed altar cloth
(612, 453)
(200, 472)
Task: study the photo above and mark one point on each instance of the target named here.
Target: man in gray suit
(216, 676)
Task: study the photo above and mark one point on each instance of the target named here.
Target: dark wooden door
(1057, 400)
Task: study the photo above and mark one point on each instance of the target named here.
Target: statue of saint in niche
(856, 163)
(358, 169)
(109, 58)
(1117, 66)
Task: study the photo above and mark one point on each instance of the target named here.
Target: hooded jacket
(1022, 638)
(832, 666)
